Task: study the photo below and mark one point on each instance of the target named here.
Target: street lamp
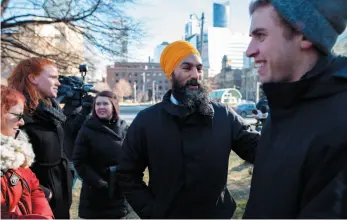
(144, 82)
(135, 91)
(153, 89)
(202, 20)
(258, 91)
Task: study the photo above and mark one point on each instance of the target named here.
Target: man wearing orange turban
(174, 53)
(185, 142)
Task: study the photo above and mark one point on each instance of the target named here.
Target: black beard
(191, 99)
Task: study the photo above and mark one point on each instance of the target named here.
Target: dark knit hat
(320, 21)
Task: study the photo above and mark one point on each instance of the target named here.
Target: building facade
(147, 79)
(192, 27)
(158, 50)
(221, 14)
(219, 42)
(57, 39)
(228, 77)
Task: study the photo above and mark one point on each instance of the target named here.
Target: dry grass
(238, 184)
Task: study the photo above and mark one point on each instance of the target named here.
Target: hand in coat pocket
(48, 193)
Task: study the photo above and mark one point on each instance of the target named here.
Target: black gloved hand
(102, 184)
(87, 103)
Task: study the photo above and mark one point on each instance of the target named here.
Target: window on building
(117, 74)
(160, 81)
(129, 81)
(123, 74)
(154, 74)
(135, 74)
(166, 82)
(160, 88)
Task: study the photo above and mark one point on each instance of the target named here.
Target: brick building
(146, 76)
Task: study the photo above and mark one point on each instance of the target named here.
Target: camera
(83, 68)
(73, 89)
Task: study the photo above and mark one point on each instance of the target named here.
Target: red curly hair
(9, 98)
(19, 79)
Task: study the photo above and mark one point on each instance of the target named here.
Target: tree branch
(4, 5)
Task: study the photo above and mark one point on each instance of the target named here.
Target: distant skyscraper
(158, 50)
(221, 14)
(192, 27)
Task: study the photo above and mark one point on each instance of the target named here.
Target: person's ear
(32, 78)
(305, 44)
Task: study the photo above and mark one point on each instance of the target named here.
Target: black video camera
(73, 89)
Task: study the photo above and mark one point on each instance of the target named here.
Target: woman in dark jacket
(37, 79)
(96, 156)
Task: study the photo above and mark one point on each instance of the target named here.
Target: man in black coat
(300, 169)
(185, 142)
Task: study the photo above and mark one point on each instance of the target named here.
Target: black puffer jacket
(97, 148)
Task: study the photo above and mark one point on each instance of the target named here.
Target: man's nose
(252, 49)
(195, 73)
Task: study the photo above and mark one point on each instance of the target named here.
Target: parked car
(245, 109)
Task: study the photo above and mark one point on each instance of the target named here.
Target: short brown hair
(289, 31)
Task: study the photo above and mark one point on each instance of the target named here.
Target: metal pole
(156, 90)
(144, 83)
(202, 32)
(153, 91)
(135, 91)
(205, 76)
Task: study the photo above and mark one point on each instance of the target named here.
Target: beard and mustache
(194, 100)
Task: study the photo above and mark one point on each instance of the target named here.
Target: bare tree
(123, 89)
(100, 24)
(101, 86)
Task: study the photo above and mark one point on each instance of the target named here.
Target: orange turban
(174, 53)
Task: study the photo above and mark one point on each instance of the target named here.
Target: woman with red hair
(37, 79)
(21, 195)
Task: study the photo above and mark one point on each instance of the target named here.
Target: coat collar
(287, 95)
(16, 153)
(323, 80)
(117, 129)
